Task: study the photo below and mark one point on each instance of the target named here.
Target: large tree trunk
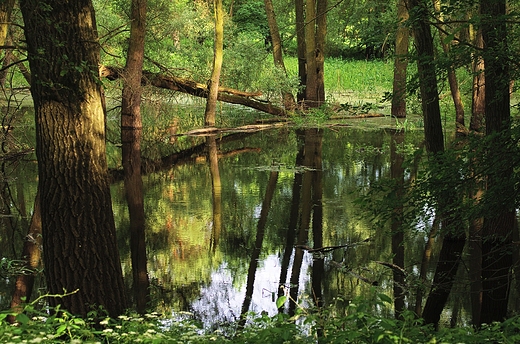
(288, 98)
(79, 237)
(498, 227)
(218, 55)
(400, 63)
(131, 131)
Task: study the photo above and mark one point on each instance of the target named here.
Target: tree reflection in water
(211, 248)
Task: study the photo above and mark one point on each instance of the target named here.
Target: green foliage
(361, 29)
(250, 17)
(359, 324)
(316, 117)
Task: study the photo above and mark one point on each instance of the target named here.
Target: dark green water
(215, 262)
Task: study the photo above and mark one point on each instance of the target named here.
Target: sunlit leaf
(61, 329)
(280, 301)
(22, 318)
(384, 298)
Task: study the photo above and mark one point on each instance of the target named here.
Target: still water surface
(216, 252)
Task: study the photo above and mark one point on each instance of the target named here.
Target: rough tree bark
(79, 237)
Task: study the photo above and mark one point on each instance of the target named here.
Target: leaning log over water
(196, 89)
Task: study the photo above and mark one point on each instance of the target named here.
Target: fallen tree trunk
(196, 89)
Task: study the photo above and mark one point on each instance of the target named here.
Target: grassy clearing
(357, 79)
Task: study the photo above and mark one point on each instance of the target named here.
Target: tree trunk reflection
(293, 218)
(260, 231)
(397, 174)
(312, 163)
(31, 255)
(216, 191)
(318, 263)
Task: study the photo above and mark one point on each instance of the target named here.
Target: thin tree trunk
(401, 62)
(427, 71)
(131, 131)
(218, 55)
(301, 49)
(452, 76)
(478, 103)
(6, 8)
(288, 98)
(311, 86)
(321, 33)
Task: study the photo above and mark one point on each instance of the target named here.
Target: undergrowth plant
(362, 322)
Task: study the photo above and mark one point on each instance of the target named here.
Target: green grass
(362, 79)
